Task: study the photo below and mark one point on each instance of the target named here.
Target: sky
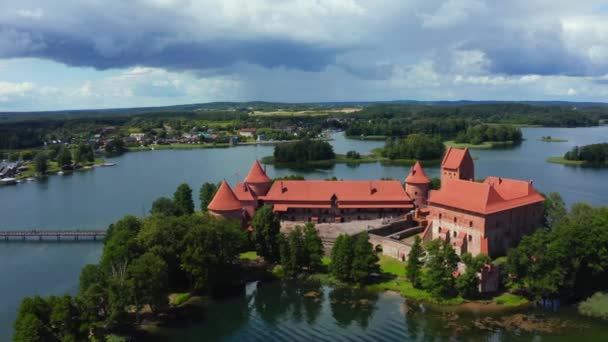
(111, 53)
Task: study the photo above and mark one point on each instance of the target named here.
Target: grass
(53, 168)
(368, 137)
(181, 298)
(392, 266)
(252, 255)
(486, 145)
(595, 306)
(509, 299)
(562, 160)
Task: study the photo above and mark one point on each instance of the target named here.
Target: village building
(247, 132)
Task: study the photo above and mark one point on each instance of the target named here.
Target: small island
(315, 153)
(549, 138)
(588, 155)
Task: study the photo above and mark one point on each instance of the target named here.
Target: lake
(306, 311)
(94, 199)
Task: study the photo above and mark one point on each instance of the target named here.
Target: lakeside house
(247, 132)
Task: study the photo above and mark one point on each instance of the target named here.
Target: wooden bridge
(52, 235)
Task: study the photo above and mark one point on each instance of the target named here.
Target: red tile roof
(454, 157)
(417, 175)
(224, 199)
(252, 130)
(244, 192)
(257, 174)
(352, 194)
(493, 195)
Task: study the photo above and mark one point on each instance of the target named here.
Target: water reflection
(351, 305)
(275, 303)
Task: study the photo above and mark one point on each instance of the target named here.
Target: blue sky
(104, 54)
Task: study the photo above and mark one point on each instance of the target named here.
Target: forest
(414, 147)
(497, 133)
(32, 130)
(303, 151)
(592, 154)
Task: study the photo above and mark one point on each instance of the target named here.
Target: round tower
(225, 203)
(257, 180)
(417, 185)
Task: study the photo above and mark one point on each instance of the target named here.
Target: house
(139, 137)
(247, 132)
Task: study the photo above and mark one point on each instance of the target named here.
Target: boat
(8, 181)
(30, 179)
(60, 173)
(108, 164)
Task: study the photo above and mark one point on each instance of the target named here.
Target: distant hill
(262, 105)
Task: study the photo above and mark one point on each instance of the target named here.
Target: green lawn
(562, 160)
(252, 255)
(392, 266)
(509, 299)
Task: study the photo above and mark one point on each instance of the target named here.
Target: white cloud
(30, 13)
(10, 90)
(452, 13)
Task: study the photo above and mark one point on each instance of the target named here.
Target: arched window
(470, 223)
(440, 216)
(454, 233)
(439, 229)
(470, 238)
(455, 219)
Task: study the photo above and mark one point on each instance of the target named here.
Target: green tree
(41, 163)
(120, 247)
(266, 228)
(467, 284)
(13, 156)
(413, 269)
(64, 317)
(148, 274)
(165, 206)
(295, 253)
(342, 254)
(212, 247)
(440, 265)
(555, 209)
(206, 194)
(64, 158)
(183, 199)
(28, 328)
(115, 147)
(365, 260)
(314, 247)
(84, 153)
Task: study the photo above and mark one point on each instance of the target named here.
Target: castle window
(470, 223)
(415, 192)
(440, 216)
(470, 238)
(455, 220)
(454, 233)
(439, 229)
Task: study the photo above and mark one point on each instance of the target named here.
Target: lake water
(296, 311)
(94, 199)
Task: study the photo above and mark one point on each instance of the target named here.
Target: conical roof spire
(224, 199)
(257, 174)
(417, 175)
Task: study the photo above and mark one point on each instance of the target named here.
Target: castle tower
(225, 203)
(417, 185)
(257, 179)
(457, 164)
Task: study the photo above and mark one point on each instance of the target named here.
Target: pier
(52, 235)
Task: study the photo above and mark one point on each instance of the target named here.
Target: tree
(342, 257)
(467, 284)
(148, 274)
(165, 206)
(41, 163)
(206, 194)
(212, 246)
(183, 199)
(28, 328)
(294, 251)
(115, 147)
(84, 153)
(413, 269)
(313, 246)
(266, 228)
(555, 210)
(120, 246)
(64, 317)
(365, 261)
(440, 265)
(13, 156)
(64, 158)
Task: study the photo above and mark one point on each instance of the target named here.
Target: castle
(477, 217)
